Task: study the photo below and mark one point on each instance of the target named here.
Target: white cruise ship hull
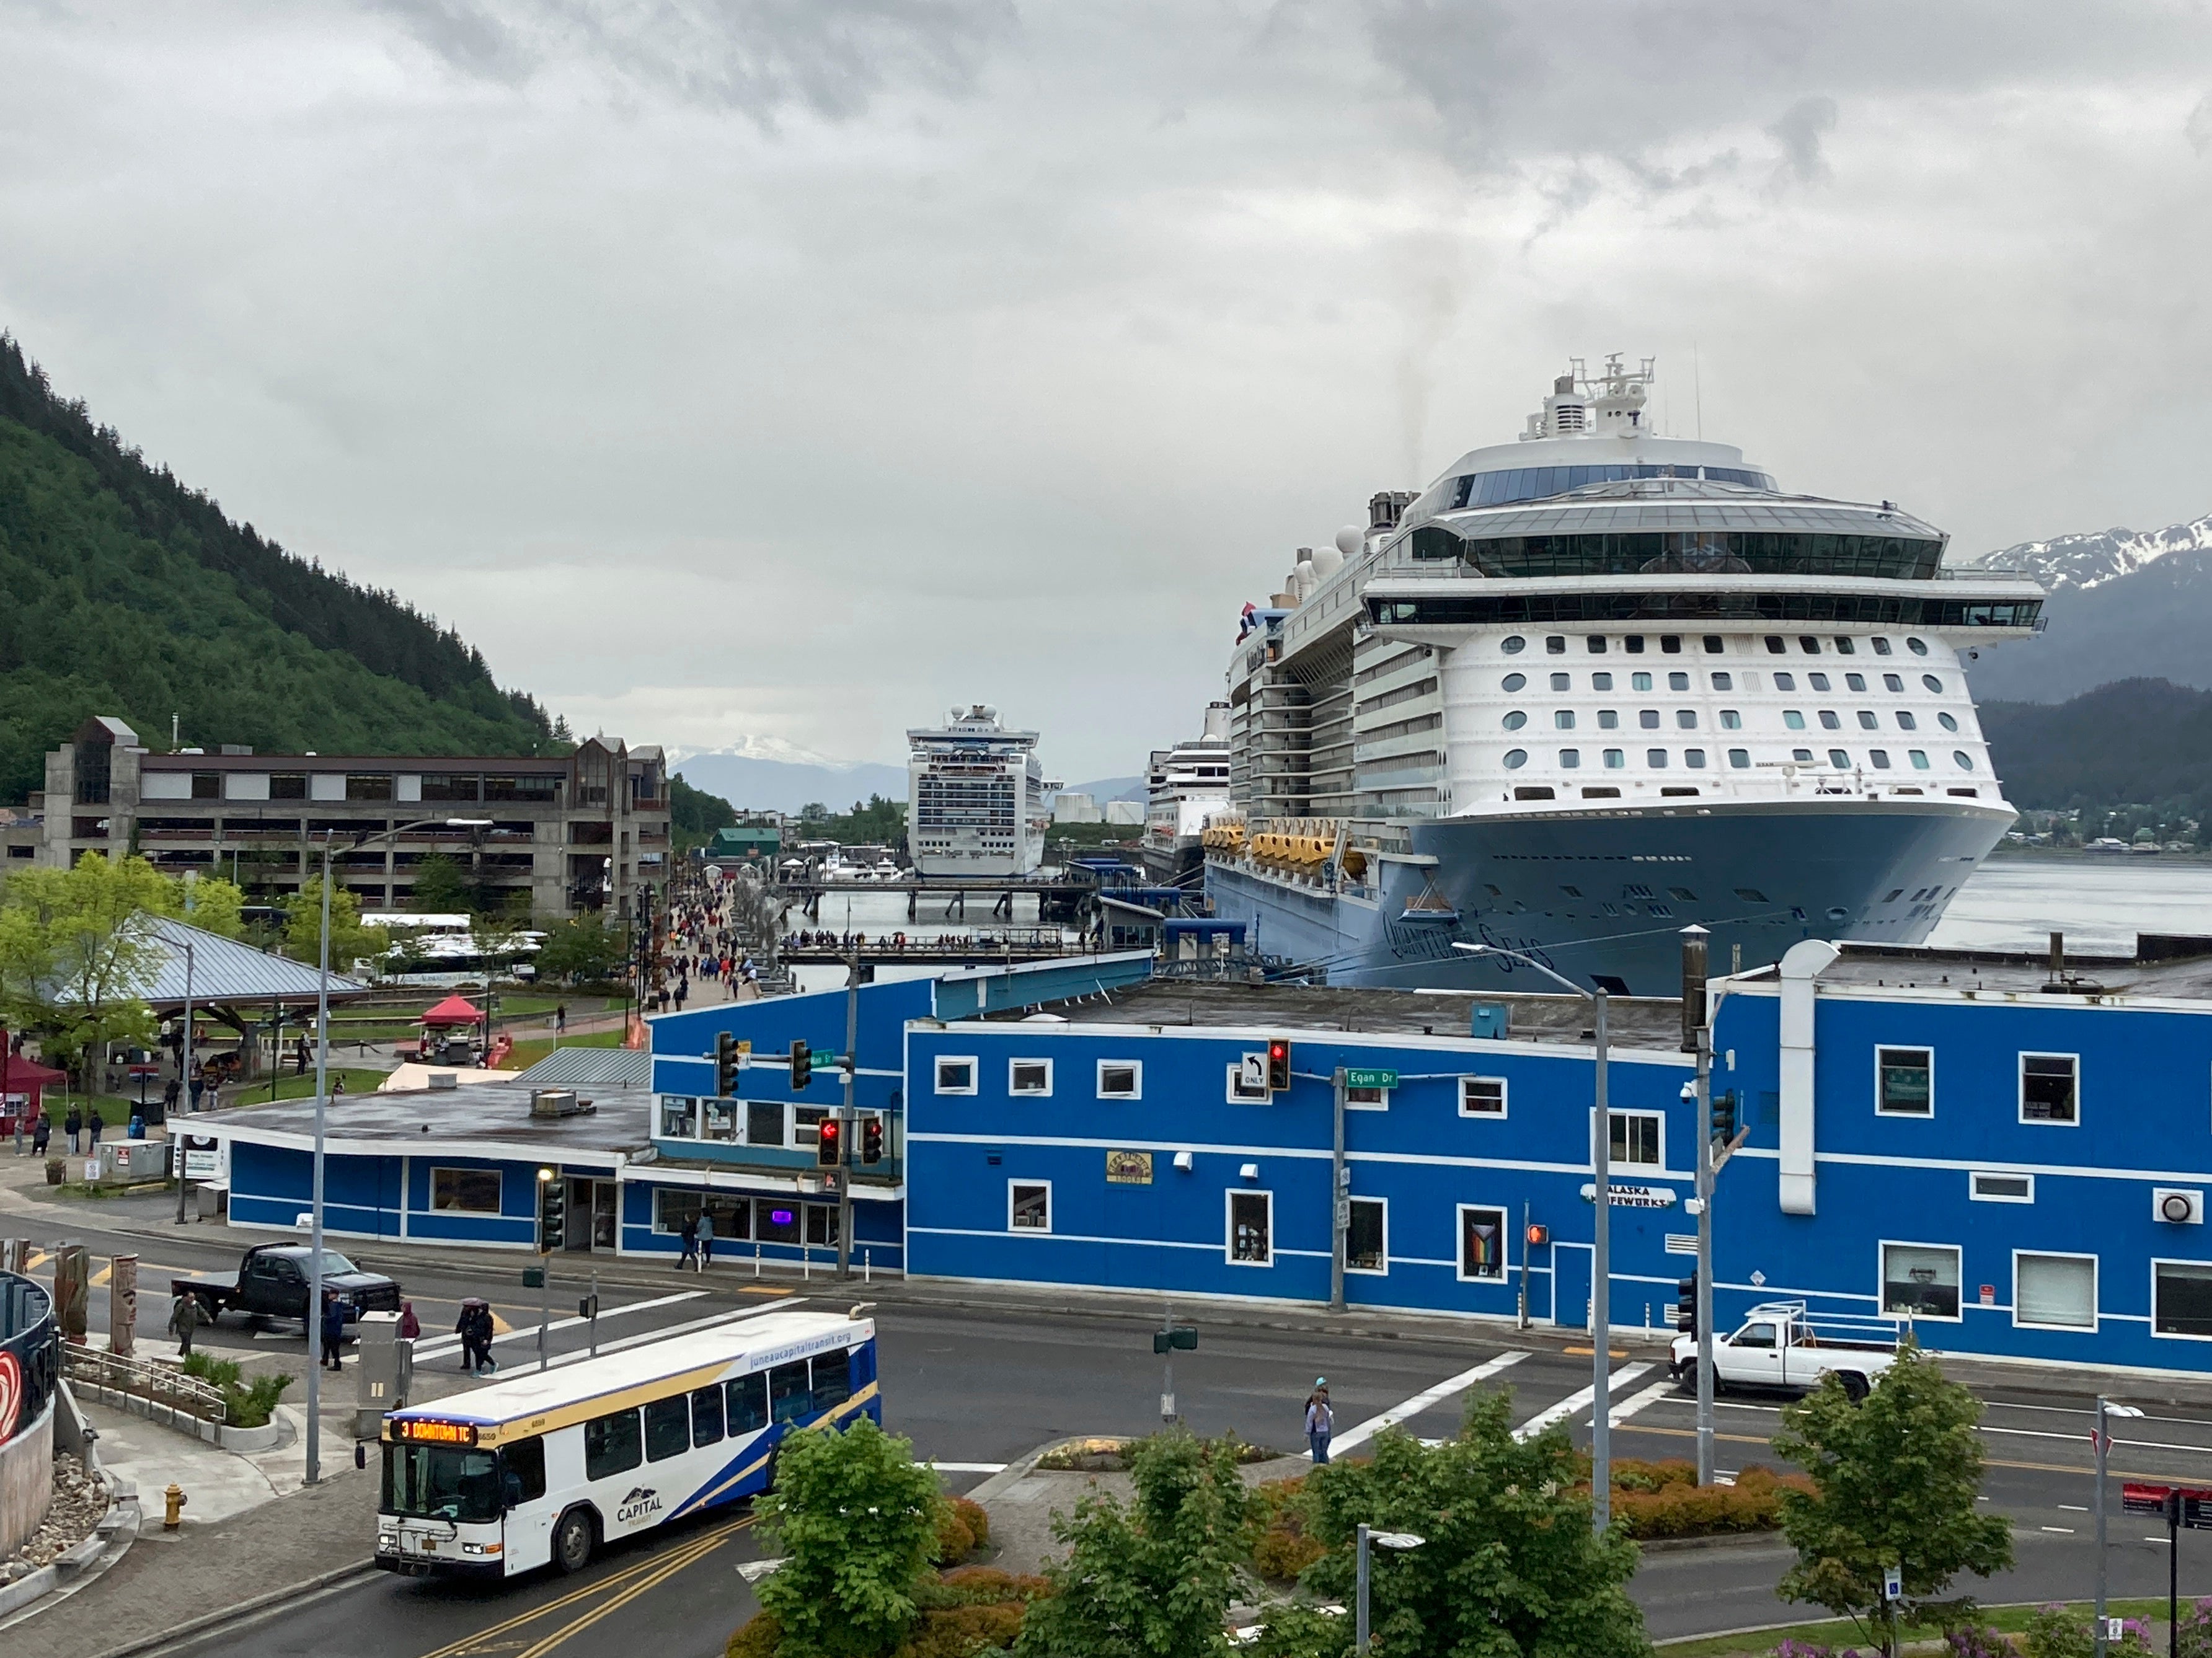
(1591, 893)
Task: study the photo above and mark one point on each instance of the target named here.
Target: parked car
(271, 1282)
(1780, 1346)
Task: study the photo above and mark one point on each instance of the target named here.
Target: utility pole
(314, 1470)
(845, 1138)
(1704, 1255)
(1339, 1191)
(1602, 1294)
(184, 1084)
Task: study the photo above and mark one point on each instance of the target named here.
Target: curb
(78, 1566)
(245, 1609)
(1742, 1540)
(1014, 1472)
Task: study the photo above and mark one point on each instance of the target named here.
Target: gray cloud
(1799, 132)
(2199, 128)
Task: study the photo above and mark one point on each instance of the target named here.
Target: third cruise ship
(1595, 686)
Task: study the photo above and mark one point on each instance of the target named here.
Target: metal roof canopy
(591, 1067)
(225, 972)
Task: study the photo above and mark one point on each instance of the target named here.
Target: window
(451, 785)
(719, 1121)
(1740, 759)
(523, 1464)
(1809, 645)
(1515, 758)
(1648, 718)
(2048, 1087)
(1121, 1079)
(1904, 1082)
(1614, 759)
(1563, 719)
(465, 1190)
(612, 1445)
(667, 1428)
(1921, 1280)
(1802, 756)
(1774, 645)
(1609, 719)
(1784, 682)
(833, 1379)
(1757, 1334)
(1600, 682)
(706, 1416)
(368, 785)
(1855, 682)
(1935, 685)
(2055, 1291)
(1880, 757)
(1639, 681)
(1678, 681)
(776, 1220)
(1714, 646)
(955, 1075)
(1515, 720)
(1962, 760)
(1694, 759)
(1947, 722)
(1636, 1137)
(1819, 682)
(1569, 759)
(1655, 759)
(679, 1118)
(1671, 644)
(1482, 1097)
(1561, 682)
(1685, 719)
(1751, 895)
(1366, 1241)
(1840, 760)
(1867, 721)
(1512, 644)
(1514, 681)
(1555, 644)
(1844, 645)
(1028, 1077)
(1919, 758)
(1793, 720)
(207, 785)
(822, 1224)
(1906, 722)
(1633, 644)
(1881, 645)
(1829, 722)
(1731, 720)
(2181, 1297)
(1028, 1205)
(291, 785)
(790, 1392)
(1596, 644)
(1918, 646)
(2001, 1188)
(1251, 1228)
(764, 1121)
(1481, 1244)
(746, 1398)
(1370, 1099)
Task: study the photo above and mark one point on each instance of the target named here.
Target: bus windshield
(441, 1482)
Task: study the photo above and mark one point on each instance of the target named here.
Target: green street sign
(533, 1278)
(1370, 1078)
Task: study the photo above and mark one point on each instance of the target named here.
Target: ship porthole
(1515, 758)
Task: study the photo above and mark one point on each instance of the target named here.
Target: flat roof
(486, 1120)
(335, 762)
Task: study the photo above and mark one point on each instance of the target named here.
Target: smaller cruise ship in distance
(1184, 786)
(977, 796)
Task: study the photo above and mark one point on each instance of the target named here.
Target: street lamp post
(314, 1469)
(1380, 1539)
(185, 1083)
(1600, 1250)
(2105, 1408)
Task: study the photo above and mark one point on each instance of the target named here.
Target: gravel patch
(80, 1503)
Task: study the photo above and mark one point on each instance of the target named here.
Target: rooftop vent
(558, 1103)
(443, 1081)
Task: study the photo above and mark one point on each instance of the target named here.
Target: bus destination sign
(422, 1431)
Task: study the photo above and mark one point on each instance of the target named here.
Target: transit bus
(546, 1466)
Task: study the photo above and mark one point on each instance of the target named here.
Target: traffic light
(725, 1066)
(1539, 1235)
(1686, 1306)
(1724, 1117)
(1279, 1064)
(829, 1149)
(552, 1210)
(871, 1141)
(802, 1065)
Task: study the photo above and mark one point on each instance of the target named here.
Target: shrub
(1630, 1474)
(961, 1630)
(955, 1542)
(219, 1373)
(759, 1638)
(1671, 1508)
(1280, 1543)
(252, 1406)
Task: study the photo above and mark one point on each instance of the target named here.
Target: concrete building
(580, 833)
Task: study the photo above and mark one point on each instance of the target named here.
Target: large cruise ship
(975, 797)
(1184, 787)
(1595, 686)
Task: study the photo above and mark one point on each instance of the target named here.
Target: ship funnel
(1216, 722)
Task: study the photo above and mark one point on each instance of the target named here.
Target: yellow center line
(473, 1643)
(676, 1564)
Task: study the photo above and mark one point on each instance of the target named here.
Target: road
(975, 1390)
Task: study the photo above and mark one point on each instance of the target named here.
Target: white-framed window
(2050, 1088)
(2181, 1299)
(1248, 1080)
(1251, 1228)
(2054, 1292)
(718, 1121)
(1992, 1186)
(1485, 1243)
(1482, 1097)
(1367, 1236)
(955, 1074)
(1904, 1082)
(465, 1190)
(1366, 1099)
(1028, 1205)
(1921, 1280)
(1639, 1139)
(1030, 1076)
(679, 1117)
(1121, 1079)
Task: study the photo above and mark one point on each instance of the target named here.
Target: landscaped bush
(1631, 1474)
(1282, 1546)
(249, 1406)
(972, 1610)
(1670, 1507)
(962, 1527)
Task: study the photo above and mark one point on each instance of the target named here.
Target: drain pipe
(1801, 967)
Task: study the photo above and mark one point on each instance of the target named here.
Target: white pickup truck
(1780, 1345)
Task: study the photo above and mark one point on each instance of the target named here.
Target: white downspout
(1800, 968)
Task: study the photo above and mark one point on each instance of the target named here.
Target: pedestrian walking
(183, 1320)
(73, 1125)
(93, 1124)
(706, 1240)
(1321, 1420)
(170, 1096)
(41, 1132)
(690, 1236)
(411, 1327)
(334, 1323)
(475, 1329)
(561, 1018)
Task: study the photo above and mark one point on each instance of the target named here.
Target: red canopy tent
(20, 1082)
(454, 1009)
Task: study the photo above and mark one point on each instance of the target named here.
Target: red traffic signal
(829, 1149)
(871, 1141)
(1279, 1064)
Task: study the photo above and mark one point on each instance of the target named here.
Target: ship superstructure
(1184, 787)
(1595, 686)
(976, 797)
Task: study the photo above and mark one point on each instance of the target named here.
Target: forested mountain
(2146, 742)
(124, 590)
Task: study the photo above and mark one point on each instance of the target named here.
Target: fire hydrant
(172, 1509)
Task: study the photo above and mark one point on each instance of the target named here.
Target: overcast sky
(794, 368)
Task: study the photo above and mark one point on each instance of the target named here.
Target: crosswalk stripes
(1658, 1390)
(1576, 1403)
(1421, 1401)
(437, 1346)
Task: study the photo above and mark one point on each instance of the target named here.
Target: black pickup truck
(271, 1282)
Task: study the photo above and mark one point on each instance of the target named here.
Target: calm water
(2100, 904)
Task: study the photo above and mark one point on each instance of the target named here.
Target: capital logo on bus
(641, 1502)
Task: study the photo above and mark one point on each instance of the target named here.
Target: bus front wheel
(572, 1541)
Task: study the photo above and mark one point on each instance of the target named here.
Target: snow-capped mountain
(768, 774)
(2079, 562)
(761, 748)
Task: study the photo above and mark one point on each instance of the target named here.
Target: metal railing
(161, 1385)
